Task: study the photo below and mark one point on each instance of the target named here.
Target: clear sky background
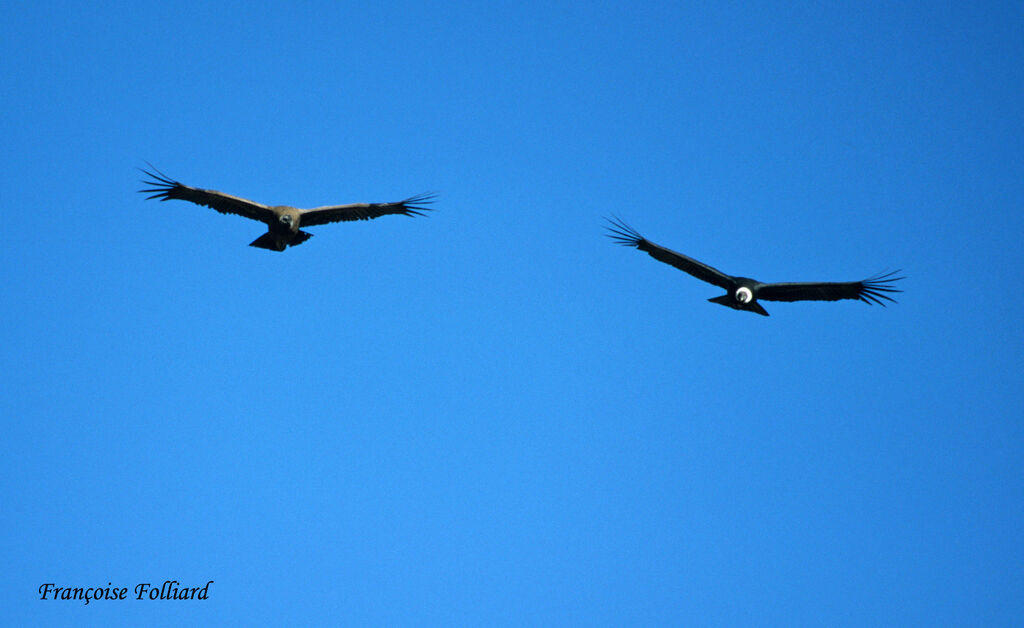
(494, 415)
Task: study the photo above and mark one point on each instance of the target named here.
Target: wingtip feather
(622, 233)
(876, 289)
(163, 185)
(417, 205)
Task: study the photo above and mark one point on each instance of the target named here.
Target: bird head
(744, 295)
(286, 219)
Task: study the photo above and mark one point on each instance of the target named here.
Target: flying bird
(742, 293)
(283, 222)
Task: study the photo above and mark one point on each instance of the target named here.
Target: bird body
(743, 297)
(743, 293)
(284, 231)
(283, 221)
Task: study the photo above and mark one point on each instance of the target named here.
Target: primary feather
(871, 290)
(625, 235)
(412, 206)
(166, 189)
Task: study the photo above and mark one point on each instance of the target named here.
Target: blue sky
(493, 415)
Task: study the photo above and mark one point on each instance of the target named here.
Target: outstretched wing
(414, 206)
(627, 236)
(165, 189)
(872, 290)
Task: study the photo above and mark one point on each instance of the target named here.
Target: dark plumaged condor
(283, 222)
(743, 293)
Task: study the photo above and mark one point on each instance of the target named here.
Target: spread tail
(269, 242)
(728, 301)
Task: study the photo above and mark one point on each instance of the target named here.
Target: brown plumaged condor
(742, 293)
(283, 222)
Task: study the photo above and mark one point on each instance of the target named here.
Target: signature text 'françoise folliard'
(169, 590)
